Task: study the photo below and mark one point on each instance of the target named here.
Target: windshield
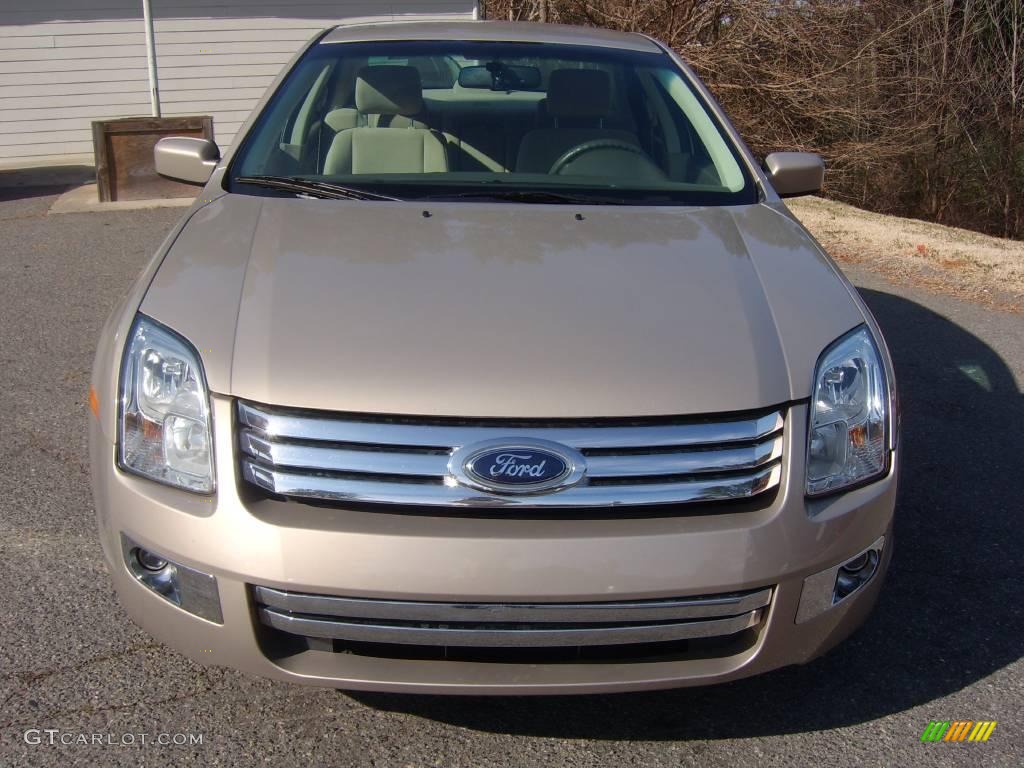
(476, 120)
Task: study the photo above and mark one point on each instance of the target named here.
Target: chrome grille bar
(305, 456)
(311, 626)
(375, 491)
(508, 625)
(344, 459)
(384, 460)
(676, 609)
(281, 423)
(685, 462)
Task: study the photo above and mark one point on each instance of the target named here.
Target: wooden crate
(124, 155)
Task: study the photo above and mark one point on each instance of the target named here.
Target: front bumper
(246, 540)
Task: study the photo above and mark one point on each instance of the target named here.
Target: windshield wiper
(320, 189)
(530, 196)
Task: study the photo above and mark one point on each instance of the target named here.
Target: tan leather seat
(387, 91)
(578, 101)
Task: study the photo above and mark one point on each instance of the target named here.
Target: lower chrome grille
(405, 461)
(504, 625)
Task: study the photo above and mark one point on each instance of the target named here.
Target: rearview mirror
(500, 77)
(186, 159)
(795, 173)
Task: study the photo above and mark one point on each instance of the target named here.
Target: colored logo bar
(958, 730)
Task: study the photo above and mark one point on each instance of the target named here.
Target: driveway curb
(85, 199)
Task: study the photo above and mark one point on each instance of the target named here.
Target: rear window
(435, 71)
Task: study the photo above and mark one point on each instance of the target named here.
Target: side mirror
(186, 159)
(795, 173)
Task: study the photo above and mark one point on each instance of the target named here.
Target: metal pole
(154, 87)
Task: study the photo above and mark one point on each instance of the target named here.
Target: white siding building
(65, 63)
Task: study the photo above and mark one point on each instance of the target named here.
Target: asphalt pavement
(945, 642)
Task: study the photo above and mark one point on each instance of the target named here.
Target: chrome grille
(343, 458)
(504, 625)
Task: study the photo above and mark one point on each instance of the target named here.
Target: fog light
(858, 563)
(149, 561)
(827, 589)
(187, 588)
(854, 574)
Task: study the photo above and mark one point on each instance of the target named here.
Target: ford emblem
(517, 466)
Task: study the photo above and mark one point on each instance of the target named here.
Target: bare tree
(917, 105)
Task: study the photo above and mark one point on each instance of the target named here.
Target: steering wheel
(594, 145)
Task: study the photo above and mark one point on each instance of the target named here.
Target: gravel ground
(957, 262)
(944, 643)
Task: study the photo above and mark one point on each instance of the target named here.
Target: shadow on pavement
(949, 615)
(23, 183)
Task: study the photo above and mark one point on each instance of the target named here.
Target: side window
(711, 162)
(284, 139)
(687, 157)
(299, 141)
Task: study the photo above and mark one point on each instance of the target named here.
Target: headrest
(580, 93)
(389, 90)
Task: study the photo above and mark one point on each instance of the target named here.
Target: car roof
(489, 31)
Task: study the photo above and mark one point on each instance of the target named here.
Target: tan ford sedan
(489, 361)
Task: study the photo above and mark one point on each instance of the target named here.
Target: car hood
(501, 310)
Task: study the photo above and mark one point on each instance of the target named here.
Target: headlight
(165, 430)
(846, 442)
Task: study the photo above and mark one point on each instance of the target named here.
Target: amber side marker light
(94, 403)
